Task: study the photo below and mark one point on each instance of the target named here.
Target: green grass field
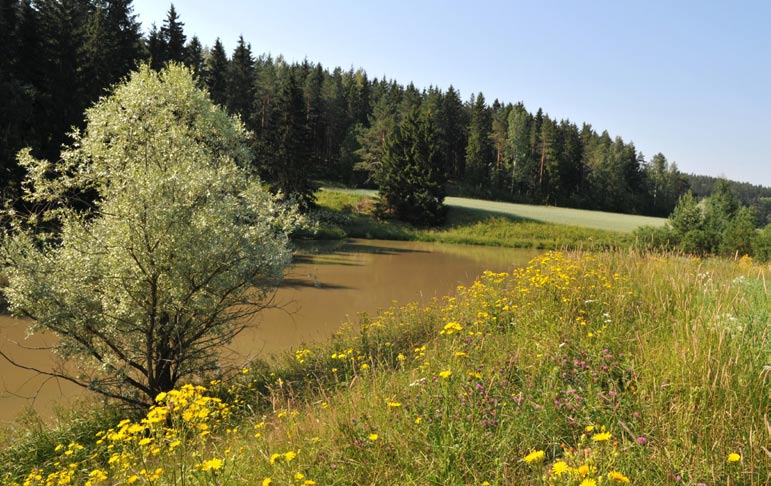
(625, 223)
(348, 213)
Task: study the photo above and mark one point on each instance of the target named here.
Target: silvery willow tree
(151, 241)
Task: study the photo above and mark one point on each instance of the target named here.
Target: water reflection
(327, 284)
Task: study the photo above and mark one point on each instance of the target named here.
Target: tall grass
(579, 369)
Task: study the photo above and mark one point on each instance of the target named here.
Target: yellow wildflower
(372, 437)
(602, 437)
(290, 455)
(451, 327)
(734, 457)
(267, 482)
(617, 477)
(559, 467)
(212, 464)
(588, 482)
(445, 373)
(534, 457)
(394, 404)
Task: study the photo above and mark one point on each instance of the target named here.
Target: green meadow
(582, 369)
(348, 213)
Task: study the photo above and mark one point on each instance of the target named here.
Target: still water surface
(327, 284)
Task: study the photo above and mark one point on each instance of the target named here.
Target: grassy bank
(580, 369)
(349, 214)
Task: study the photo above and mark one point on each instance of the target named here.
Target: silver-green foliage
(178, 244)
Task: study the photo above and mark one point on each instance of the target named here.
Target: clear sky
(690, 79)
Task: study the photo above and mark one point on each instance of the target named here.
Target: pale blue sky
(690, 79)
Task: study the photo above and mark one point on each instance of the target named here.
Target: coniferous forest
(313, 123)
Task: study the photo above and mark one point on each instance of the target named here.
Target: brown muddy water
(328, 284)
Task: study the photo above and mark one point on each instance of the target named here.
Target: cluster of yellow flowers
(180, 420)
(585, 465)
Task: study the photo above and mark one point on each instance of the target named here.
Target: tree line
(309, 122)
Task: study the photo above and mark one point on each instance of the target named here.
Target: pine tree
(173, 35)
(455, 131)
(478, 149)
(340, 137)
(498, 132)
(194, 58)
(719, 210)
(126, 44)
(63, 91)
(314, 106)
(240, 82)
(372, 139)
(156, 48)
(15, 98)
(287, 160)
(687, 223)
(410, 180)
(215, 73)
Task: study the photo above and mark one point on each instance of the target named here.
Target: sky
(689, 79)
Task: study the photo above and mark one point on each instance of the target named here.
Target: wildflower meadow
(580, 369)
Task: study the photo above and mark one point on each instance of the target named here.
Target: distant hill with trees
(310, 122)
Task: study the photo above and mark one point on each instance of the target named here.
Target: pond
(328, 284)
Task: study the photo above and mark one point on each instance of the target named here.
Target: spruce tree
(173, 35)
(410, 180)
(194, 58)
(287, 159)
(478, 149)
(215, 73)
(156, 48)
(240, 82)
(456, 133)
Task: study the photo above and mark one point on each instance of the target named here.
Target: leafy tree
(146, 284)
(410, 182)
(761, 244)
(521, 167)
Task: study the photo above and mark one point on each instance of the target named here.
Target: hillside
(579, 369)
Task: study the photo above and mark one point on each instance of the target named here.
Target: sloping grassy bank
(580, 369)
(349, 214)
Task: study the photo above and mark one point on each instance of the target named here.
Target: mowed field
(625, 223)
